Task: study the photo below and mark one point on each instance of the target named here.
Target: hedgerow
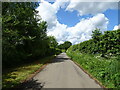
(100, 56)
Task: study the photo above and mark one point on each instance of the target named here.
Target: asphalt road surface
(63, 73)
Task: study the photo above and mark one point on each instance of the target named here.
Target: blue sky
(112, 15)
(71, 18)
(68, 18)
(74, 21)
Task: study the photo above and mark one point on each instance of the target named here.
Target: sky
(74, 20)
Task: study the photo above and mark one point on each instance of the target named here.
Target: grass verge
(14, 77)
(104, 70)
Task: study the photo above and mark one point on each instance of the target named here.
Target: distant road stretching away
(63, 73)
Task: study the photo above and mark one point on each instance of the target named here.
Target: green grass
(104, 70)
(63, 50)
(14, 77)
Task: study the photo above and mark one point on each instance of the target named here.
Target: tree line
(24, 35)
(64, 46)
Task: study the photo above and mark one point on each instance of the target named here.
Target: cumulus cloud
(83, 29)
(90, 8)
(59, 32)
(60, 3)
(48, 13)
(116, 27)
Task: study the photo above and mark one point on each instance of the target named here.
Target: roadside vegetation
(25, 43)
(100, 56)
(24, 35)
(15, 76)
(26, 47)
(63, 47)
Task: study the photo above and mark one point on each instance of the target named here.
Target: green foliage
(24, 34)
(106, 71)
(65, 45)
(100, 56)
(107, 44)
(52, 42)
(13, 77)
(52, 46)
(96, 34)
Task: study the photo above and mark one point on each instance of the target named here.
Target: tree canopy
(96, 33)
(24, 33)
(65, 45)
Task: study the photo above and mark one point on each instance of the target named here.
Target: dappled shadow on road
(59, 59)
(63, 58)
(31, 85)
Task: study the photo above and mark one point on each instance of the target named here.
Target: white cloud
(59, 32)
(116, 27)
(81, 31)
(47, 13)
(60, 3)
(90, 8)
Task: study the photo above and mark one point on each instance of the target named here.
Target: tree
(96, 33)
(65, 45)
(24, 34)
(52, 42)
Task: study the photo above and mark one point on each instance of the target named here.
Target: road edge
(32, 75)
(92, 77)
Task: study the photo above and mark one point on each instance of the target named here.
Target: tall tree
(52, 42)
(24, 34)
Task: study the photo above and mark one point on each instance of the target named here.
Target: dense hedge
(106, 44)
(100, 56)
